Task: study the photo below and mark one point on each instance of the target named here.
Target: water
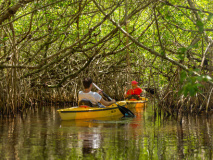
(41, 135)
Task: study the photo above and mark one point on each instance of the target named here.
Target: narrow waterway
(42, 135)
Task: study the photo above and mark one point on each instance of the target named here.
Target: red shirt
(136, 91)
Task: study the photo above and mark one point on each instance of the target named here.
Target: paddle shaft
(125, 111)
(109, 98)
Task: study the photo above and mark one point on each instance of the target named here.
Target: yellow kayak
(86, 112)
(136, 103)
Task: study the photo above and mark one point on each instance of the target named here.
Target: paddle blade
(125, 111)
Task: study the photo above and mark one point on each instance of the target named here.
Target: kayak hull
(85, 112)
(142, 102)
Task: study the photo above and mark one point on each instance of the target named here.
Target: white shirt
(94, 97)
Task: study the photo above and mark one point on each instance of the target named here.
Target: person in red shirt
(134, 91)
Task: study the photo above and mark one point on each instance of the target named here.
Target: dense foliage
(47, 46)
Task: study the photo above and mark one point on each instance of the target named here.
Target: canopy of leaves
(51, 42)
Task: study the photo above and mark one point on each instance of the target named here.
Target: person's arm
(126, 94)
(99, 92)
(107, 103)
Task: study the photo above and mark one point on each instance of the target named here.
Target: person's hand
(124, 88)
(99, 92)
(113, 101)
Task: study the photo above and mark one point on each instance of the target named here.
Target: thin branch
(72, 75)
(185, 7)
(147, 48)
(31, 12)
(12, 10)
(204, 55)
(20, 67)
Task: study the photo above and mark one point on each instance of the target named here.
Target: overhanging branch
(147, 48)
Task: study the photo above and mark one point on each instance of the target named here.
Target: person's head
(87, 82)
(134, 84)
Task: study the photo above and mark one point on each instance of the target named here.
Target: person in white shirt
(94, 97)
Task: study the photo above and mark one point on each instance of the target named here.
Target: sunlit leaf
(210, 17)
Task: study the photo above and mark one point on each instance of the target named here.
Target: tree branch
(147, 48)
(12, 10)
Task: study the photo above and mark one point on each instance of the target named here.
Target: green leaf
(183, 76)
(192, 46)
(199, 85)
(199, 78)
(162, 53)
(200, 26)
(195, 45)
(209, 17)
(185, 92)
(182, 50)
(181, 56)
(197, 70)
(192, 91)
(5, 38)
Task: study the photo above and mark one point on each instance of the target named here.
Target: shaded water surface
(42, 135)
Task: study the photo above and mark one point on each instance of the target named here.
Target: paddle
(151, 90)
(125, 111)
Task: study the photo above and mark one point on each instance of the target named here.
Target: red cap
(134, 82)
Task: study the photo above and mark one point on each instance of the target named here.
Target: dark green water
(41, 135)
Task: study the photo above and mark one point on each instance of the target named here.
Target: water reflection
(91, 136)
(41, 135)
